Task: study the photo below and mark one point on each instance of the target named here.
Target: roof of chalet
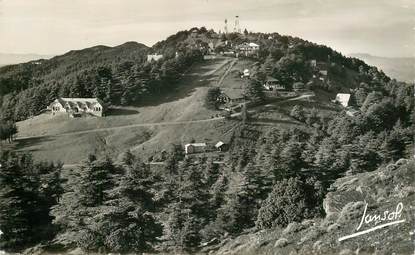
(245, 44)
(269, 78)
(343, 98)
(298, 83)
(219, 144)
(81, 103)
(82, 100)
(233, 93)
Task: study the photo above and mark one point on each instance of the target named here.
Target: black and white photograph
(211, 127)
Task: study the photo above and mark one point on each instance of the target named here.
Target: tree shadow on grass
(27, 144)
(309, 105)
(120, 111)
(271, 122)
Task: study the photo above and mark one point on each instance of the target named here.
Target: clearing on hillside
(175, 119)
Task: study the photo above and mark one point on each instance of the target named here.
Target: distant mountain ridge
(12, 58)
(402, 69)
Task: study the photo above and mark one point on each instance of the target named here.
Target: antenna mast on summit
(237, 28)
(226, 26)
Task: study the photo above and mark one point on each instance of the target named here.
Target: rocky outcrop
(386, 195)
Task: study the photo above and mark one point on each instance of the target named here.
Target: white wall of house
(195, 148)
(56, 107)
(76, 106)
(154, 57)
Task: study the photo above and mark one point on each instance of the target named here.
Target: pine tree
(297, 112)
(95, 179)
(371, 98)
(233, 217)
(171, 165)
(217, 194)
(16, 196)
(258, 183)
(244, 114)
(255, 92)
(290, 160)
(239, 210)
(193, 193)
(211, 172)
(84, 196)
(182, 228)
(191, 211)
(395, 143)
(211, 98)
(7, 130)
(127, 221)
(27, 192)
(290, 200)
(365, 154)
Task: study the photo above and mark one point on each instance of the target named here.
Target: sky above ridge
(378, 27)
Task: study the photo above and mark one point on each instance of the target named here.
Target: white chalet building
(76, 107)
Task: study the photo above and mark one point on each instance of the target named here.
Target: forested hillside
(122, 76)
(270, 177)
(118, 75)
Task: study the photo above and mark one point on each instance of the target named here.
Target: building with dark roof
(273, 84)
(229, 95)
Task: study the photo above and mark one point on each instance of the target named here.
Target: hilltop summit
(283, 57)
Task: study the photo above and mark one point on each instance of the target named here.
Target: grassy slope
(184, 104)
(49, 137)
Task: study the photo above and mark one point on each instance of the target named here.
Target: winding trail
(231, 64)
(167, 123)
